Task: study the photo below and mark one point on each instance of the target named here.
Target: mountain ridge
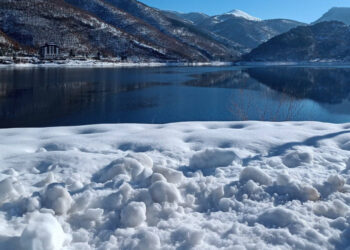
(82, 26)
(325, 41)
(341, 14)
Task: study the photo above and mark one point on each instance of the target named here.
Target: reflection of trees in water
(325, 85)
(269, 106)
(254, 101)
(40, 97)
(224, 79)
(278, 91)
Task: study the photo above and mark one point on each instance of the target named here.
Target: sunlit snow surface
(246, 185)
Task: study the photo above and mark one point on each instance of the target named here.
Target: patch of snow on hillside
(242, 14)
(199, 185)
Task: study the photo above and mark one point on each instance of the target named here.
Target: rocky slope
(34, 22)
(322, 41)
(209, 44)
(113, 27)
(7, 46)
(175, 37)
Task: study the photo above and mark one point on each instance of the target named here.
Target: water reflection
(43, 97)
(59, 96)
(325, 85)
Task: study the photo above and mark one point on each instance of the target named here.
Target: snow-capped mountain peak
(242, 14)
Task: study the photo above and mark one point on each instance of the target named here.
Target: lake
(37, 97)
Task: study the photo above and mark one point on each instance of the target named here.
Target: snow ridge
(242, 14)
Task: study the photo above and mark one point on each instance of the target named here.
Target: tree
(71, 53)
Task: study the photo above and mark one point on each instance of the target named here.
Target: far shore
(27, 62)
(31, 62)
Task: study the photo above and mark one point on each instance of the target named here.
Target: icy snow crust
(216, 185)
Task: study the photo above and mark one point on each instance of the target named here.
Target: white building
(49, 51)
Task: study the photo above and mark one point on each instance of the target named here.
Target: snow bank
(42, 233)
(212, 158)
(277, 186)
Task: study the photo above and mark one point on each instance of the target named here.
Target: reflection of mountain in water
(42, 97)
(325, 85)
(224, 79)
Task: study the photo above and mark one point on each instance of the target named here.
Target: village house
(49, 51)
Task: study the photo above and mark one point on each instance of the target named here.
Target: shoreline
(108, 64)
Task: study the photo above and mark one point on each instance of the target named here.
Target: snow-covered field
(215, 185)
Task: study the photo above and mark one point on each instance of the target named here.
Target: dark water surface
(36, 97)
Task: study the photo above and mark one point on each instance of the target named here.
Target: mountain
(246, 30)
(113, 27)
(32, 23)
(7, 46)
(236, 14)
(336, 14)
(149, 24)
(237, 26)
(208, 44)
(192, 17)
(322, 41)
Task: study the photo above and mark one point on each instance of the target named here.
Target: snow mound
(297, 158)
(255, 174)
(244, 185)
(164, 192)
(277, 218)
(10, 189)
(57, 198)
(42, 233)
(132, 167)
(212, 158)
(134, 214)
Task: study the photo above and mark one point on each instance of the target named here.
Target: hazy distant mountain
(336, 14)
(239, 27)
(322, 41)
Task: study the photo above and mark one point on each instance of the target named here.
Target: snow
(107, 64)
(42, 233)
(242, 14)
(196, 185)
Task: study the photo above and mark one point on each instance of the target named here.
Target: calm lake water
(37, 97)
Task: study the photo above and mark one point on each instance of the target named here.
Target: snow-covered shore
(214, 185)
(108, 64)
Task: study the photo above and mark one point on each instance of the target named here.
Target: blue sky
(301, 10)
